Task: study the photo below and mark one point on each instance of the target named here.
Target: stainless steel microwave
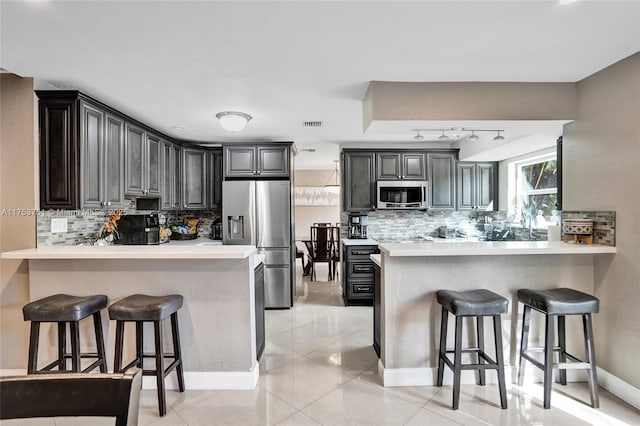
(401, 194)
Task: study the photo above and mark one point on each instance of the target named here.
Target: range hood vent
(312, 124)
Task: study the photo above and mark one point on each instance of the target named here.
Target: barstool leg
(74, 330)
(480, 336)
(34, 338)
(62, 346)
(526, 319)
(443, 346)
(140, 344)
(562, 376)
(97, 325)
(117, 363)
(591, 359)
(177, 352)
(497, 331)
(548, 360)
(162, 404)
(457, 363)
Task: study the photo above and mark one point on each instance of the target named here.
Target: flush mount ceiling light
(333, 187)
(233, 121)
(499, 137)
(418, 136)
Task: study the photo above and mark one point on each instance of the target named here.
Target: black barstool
(478, 304)
(140, 308)
(559, 302)
(65, 309)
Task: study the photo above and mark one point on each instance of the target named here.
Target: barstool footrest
(577, 363)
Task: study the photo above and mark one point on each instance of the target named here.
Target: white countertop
(201, 248)
(357, 242)
(491, 248)
(376, 258)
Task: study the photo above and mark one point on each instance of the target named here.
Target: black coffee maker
(358, 226)
(216, 229)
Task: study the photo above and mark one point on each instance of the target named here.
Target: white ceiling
(178, 63)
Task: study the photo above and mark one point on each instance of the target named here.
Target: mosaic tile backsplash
(82, 223)
(409, 224)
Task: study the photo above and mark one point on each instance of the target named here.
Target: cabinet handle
(185, 206)
(109, 203)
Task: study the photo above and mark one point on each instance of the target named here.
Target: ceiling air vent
(312, 124)
(308, 150)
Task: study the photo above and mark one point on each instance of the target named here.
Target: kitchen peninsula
(410, 275)
(218, 318)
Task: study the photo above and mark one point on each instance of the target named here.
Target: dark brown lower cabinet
(358, 275)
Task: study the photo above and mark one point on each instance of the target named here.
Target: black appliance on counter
(138, 229)
(358, 226)
(216, 229)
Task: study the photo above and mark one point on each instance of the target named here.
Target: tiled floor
(319, 368)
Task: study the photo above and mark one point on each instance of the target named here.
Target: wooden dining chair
(321, 249)
(72, 394)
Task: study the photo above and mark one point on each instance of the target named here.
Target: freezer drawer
(276, 256)
(277, 287)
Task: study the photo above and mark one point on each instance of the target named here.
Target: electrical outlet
(58, 224)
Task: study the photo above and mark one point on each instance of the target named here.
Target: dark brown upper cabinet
(257, 161)
(81, 152)
(401, 166)
(358, 181)
(143, 166)
(194, 178)
(442, 180)
(477, 186)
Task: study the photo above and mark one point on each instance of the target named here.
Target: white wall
(601, 167)
(18, 189)
(307, 215)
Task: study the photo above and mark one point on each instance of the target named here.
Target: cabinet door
(153, 165)
(194, 175)
(413, 166)
(240, 161)
(176, 194)
(466, 186)
(486, 186)
(214, 180)
(388, 166)
(273, 161)
(358, 179)
(92, 163)
(442, 178)
(58, 154)
(166, 198)
(113, 173)
(134, 176)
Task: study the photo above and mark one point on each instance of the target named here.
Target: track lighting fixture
(473, 136)
(418, 136)
(443, 137)
(499, 137)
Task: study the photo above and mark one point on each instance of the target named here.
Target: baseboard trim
(194, 380)
(619, 388)
(426, 376)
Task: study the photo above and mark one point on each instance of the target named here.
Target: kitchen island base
(409, 313)
(217, 321)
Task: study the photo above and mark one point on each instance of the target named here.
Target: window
(536, 191)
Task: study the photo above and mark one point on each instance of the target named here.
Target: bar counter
(412, 273)
(217, 320)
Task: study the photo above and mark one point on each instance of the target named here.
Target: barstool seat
(474, 303)
(558, 302)
(63, 309)
(140, 308)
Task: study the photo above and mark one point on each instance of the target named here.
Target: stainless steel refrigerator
(259, 213)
